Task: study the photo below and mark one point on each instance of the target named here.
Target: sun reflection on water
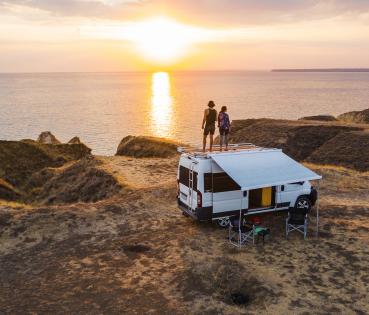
(161, 104)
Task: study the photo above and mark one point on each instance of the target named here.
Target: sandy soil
(137, 254)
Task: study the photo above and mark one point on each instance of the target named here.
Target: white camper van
(246, 179)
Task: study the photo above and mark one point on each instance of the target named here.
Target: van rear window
(221, 182)
(184, 177)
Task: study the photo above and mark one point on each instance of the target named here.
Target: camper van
(245, 180)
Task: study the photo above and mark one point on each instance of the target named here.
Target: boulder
(359, 117)
(46, 137)
(319, 118)
(147, 147)
(74, 140)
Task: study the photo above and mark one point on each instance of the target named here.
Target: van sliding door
(262, 197)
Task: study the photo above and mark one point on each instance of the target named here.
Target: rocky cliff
(331, 143)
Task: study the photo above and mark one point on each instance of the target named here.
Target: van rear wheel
(303, 203)
(223, 222)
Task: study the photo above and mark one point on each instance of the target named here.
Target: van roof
(239, 148)
(261, 168)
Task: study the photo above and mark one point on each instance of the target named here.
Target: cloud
(81, 8)
(214, 12)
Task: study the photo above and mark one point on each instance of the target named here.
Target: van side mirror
(282, 188)
(245, 193)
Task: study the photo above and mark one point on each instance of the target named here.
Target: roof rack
(235, 147)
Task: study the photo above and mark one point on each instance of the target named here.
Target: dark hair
(224, 109)
(211, 104)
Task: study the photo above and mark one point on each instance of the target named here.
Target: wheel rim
(223, 222)
(303, 204)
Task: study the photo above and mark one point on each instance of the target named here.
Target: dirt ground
(137, 254)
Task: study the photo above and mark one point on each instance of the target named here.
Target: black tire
(223, 222)
(303, 202)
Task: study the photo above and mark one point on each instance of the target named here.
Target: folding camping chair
(243, 233)
(297, 220)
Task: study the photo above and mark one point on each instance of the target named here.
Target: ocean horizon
(103, 107)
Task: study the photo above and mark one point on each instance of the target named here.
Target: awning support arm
(317, 210)
(239, 222)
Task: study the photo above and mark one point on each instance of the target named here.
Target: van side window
(184, 178)
(208, 182)
(222, 182)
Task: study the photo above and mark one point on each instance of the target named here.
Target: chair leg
(287, 229)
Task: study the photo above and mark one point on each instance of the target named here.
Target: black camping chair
(297, 220)
(243, 233)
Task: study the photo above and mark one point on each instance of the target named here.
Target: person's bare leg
(226, 142)
(221, 142)
(203, 143)
(211, 143)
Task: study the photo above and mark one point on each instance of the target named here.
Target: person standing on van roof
(224, 126)
(208, 124)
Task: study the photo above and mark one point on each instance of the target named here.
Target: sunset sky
(119, 35)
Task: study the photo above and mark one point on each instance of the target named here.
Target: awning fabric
(263, 168)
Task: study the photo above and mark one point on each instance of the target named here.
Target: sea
(102, 108)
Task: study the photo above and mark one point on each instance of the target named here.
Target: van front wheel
(223, 222)
(303, 203)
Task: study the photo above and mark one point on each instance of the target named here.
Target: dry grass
(135, 253)
(20, 160)
(81, 181)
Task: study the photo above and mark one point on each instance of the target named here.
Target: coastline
(323, 70)
(133, 251)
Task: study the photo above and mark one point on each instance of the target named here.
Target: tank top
(211, 117)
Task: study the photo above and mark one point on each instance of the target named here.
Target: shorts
(223, 132)
(209, 129)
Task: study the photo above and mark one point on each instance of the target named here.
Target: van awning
(264, 168)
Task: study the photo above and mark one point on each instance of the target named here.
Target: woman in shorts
(224, 126)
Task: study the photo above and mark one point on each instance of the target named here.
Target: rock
(359, 117)
(147, 147)
(46, 137)
(74, 140)
(319, 118)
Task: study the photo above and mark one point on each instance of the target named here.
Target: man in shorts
(208, 124)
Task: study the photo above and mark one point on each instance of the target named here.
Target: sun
(163, 40)
(160, 40)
